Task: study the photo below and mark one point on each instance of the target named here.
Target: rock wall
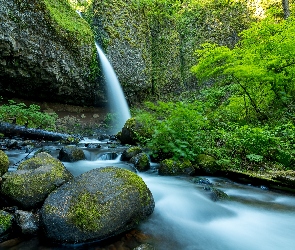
(151, 44)
(47, 52)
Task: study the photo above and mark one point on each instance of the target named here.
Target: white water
(116, 98)
(185, 218)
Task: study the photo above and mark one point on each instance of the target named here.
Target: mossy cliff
(151, 43)
(47, 52)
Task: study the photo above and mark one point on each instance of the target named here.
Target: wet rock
(171, 167)
(202, 181)
(97, 204)
(144, 246)
(92, 145)
(6, 220)
(71, 154)
(217, 194)
(141, 162)
(27, 221)
(207, 163)
(130, 152)
(4, 163)
(34, 179)
(131, 131)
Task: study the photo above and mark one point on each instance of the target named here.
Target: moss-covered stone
(207, 163)
(172, 167)
(6, 220)
(141, 162)
(71, 154)
(97, 204)
(34, 179)
(132, 131)
(130, 152)
(4, 163)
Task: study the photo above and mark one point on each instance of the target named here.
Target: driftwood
(9, 129)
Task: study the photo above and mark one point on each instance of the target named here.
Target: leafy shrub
(32, 117)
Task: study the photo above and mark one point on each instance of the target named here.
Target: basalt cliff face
(47, 52)
(151, 44)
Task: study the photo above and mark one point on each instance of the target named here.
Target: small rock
(27, 221)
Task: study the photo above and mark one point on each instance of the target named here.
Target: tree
(286, 8)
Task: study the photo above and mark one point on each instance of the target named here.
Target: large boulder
(4, 163)
(47, 52)
(34, 180)
(97, 204)
(132, 130)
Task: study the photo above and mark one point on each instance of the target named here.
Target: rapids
(185, 218)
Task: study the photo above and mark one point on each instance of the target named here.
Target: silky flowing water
(185, 218)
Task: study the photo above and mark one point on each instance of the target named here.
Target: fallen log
(9, 129)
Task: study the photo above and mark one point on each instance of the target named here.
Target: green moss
(173, 167)
(4, 163)
(36, 178)
(51, 209)
(86, 212)
(67, 22)
(131, 180)
(143, 161)
(5, 221)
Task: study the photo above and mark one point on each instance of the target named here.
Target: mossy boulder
(71, 154)
(97, 204)
(34, 179)
(6, 220)
(207, 163)
(132, 131)
(172, 167)
(141, 162)
(130, 152)
(4, 163)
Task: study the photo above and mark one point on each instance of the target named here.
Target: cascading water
(117, 101)
(185, 218)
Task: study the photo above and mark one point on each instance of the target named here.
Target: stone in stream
(71, 154)
(96, 205)
(141, 162)
(34, 179)
(130, 152)
(4, 163)
(6, 221)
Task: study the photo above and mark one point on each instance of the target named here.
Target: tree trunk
(286, 8)
(9, 129)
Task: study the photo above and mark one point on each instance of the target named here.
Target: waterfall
(117, 101)
(116, 98)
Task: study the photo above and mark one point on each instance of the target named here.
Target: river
(185, 218)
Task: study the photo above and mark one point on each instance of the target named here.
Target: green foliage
(67, 22)
(178, 129)
(261, 66)
(31, 116)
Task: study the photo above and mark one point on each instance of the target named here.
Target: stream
(185, 218)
